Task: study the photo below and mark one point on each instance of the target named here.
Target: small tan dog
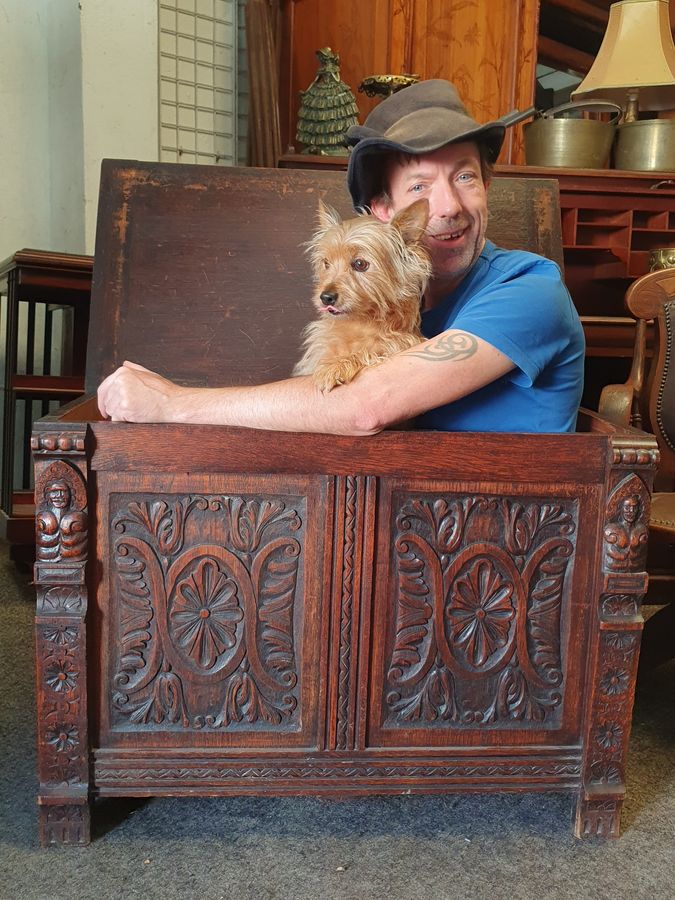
(369, 277)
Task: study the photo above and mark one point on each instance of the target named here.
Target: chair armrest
(616, 404)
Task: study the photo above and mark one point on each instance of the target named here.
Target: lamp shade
(637, 53)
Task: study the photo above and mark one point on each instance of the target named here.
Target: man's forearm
(292, 405)
(380, 396)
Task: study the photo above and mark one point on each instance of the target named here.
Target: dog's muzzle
(328, 298)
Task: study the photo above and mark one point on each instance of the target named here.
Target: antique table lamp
(635, 67)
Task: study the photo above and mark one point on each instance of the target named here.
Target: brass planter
(646, 146)
(571, 142)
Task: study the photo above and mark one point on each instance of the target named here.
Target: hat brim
(364, 183)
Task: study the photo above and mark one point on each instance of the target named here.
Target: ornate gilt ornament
(385, 85)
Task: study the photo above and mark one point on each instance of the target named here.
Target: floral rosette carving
(478, 622)
(206, 631)
(61, 747)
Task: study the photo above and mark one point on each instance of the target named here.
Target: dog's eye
(325, 263)
(360, 265)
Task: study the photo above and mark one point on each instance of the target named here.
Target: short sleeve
(526, 317)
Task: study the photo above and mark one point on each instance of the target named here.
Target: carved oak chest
(298, 614)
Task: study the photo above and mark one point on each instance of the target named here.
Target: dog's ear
(412, 221)
(327, 215)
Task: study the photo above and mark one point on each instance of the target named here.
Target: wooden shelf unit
(52, 368)
(611, 220)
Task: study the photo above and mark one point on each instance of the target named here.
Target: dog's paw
(329, 376)
(326, 378)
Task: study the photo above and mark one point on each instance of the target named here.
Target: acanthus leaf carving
(164, 702)
(413, 627)
(516, 699)
(434, 701)
(544, 576)
(445, 519)
(245, 701)
(247, 520)
(275, 575)
(525, 522)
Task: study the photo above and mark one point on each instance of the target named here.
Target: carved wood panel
(214, 613)
(477, 616)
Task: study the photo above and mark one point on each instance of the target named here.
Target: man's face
(451, 180)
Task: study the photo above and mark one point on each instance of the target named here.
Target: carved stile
(618, 627)
(61, 556)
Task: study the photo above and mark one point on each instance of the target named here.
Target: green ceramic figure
(327, 109)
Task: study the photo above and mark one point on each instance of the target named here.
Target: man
(505, 346)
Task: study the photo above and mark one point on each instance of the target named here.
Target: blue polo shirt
(517, 302)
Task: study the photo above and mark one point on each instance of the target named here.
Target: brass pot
(662, 258)
(645, 146)
(571, 142)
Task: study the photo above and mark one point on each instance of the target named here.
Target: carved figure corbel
(625, 540)
(61, 520)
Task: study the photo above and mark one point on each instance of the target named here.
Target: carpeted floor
(401, 848)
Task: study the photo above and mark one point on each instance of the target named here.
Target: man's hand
(135, 394)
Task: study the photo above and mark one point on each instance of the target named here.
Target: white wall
(119, 89)
(78, 82)
(24, 151)
(64, 92)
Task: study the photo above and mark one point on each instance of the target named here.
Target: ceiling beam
(560, 56)
(593, 15)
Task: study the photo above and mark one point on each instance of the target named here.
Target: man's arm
(441, 370)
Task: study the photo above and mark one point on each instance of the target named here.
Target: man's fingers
(101, 396)
(104, 395)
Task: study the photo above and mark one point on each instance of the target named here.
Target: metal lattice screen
(198, 79)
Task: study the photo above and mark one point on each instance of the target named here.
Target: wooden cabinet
(45, 316)
(487, 50)
(611, 220)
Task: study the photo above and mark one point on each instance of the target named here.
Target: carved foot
(598, 817)
(64, 825)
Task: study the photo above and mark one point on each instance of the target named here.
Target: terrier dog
(369, 279)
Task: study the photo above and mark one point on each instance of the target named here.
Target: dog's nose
(328, 298)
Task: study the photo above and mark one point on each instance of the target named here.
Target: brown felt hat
(419, 119)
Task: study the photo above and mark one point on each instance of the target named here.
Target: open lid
(200, 272)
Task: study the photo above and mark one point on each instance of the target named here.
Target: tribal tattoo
(454, 345)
